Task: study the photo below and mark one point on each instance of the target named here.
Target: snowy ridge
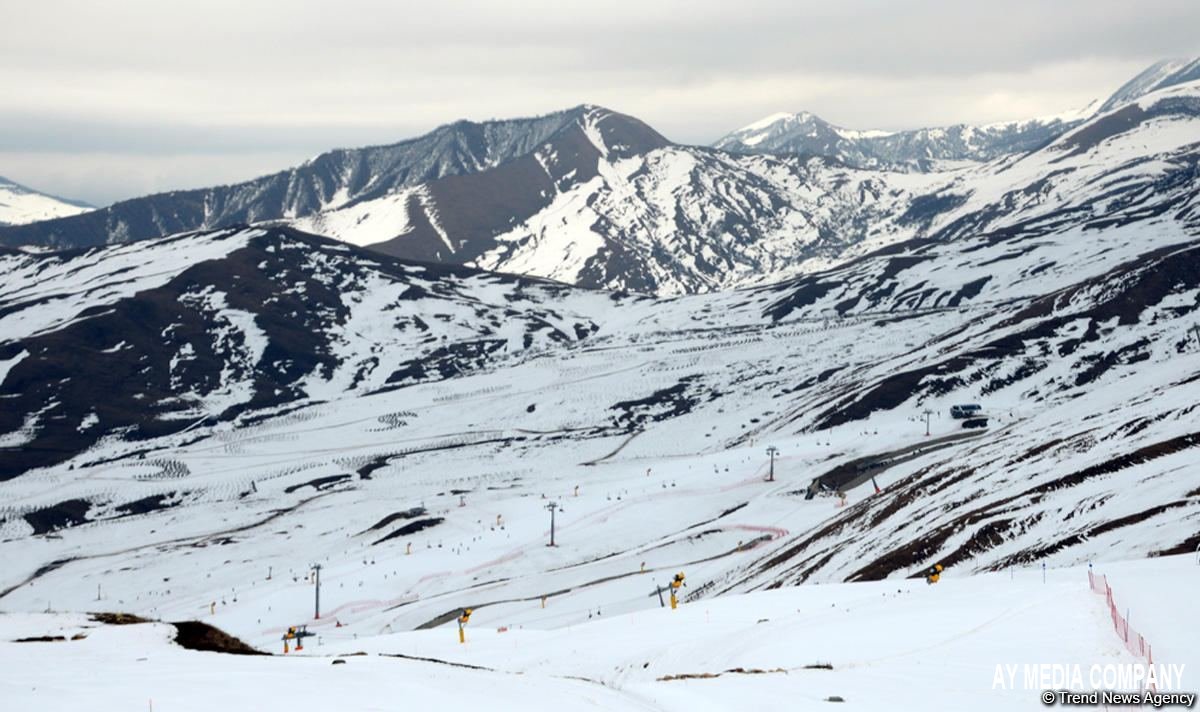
(927, 148)
(46, 292)
(919, 149)
(332, 180)
(20, 205)
(1159, 75)
(677, 220)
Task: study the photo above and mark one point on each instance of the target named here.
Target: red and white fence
(1135, 643)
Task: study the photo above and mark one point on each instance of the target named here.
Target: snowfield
(876, 646)
(20, 205)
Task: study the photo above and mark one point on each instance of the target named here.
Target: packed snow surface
(877, 646)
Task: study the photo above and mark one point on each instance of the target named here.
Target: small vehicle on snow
(959, 412)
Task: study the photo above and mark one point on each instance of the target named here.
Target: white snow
(7, 365)
(65, 288)
(19, 205)
(363, 223)
(967, 642)
(766, 122)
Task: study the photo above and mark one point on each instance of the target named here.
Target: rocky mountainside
(678, 220)
(156, 337)
(20, 205)
(332, 180)
(598, 209)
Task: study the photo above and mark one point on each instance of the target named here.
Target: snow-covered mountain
(596, 198)
(335, 179)
(678, 219)
(936, 148)
(189, 423)
(661, 219)
(167, 333)
(20, 205)
(918, 149)
(1160, 75)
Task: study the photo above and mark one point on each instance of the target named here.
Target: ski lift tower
(553, 507)
(772, 451)
(316, 568)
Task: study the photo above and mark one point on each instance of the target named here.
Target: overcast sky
(108, 100)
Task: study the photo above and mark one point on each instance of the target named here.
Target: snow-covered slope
(875, 646)
(20, 205)
(1130, 165)
(1159, 75)
(293, 400)
(161, 334)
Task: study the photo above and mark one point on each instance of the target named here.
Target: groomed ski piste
(883, 645)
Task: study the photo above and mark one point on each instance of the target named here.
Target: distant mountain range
(596, 198)
(919, 149)
(928, 148)
(20, 205)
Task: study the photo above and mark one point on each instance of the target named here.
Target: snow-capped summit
(336, 179)
(1160, 75)
(20, 205)
(805, 133)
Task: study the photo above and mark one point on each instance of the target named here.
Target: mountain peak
(770, 130)
(768, 121)
(1160, 75)
(337, 178)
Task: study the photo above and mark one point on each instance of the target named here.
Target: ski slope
(876, 646)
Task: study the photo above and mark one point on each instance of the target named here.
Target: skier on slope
(934, 574)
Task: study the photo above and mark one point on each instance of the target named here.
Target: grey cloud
(55, 133)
